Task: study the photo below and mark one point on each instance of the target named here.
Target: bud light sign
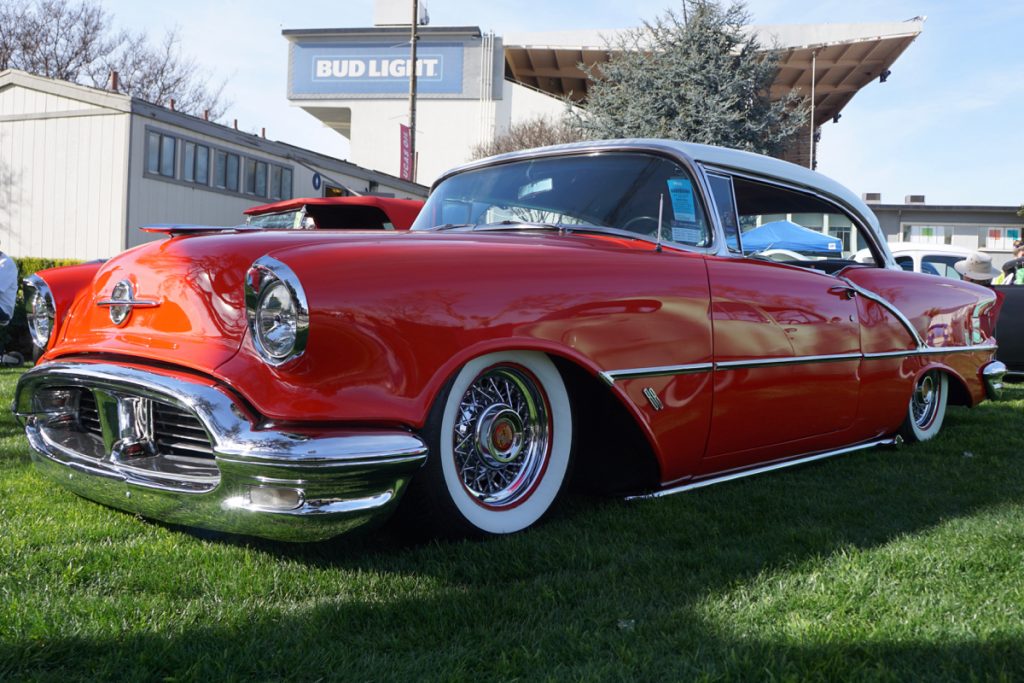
(375, 69)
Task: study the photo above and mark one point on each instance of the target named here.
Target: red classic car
(303, 213)
(336, 213)
(589, 304)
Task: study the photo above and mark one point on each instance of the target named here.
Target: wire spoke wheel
(927, 407)
(501, 437)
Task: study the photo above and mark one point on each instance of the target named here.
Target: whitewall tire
(927, 408)
(501, 442)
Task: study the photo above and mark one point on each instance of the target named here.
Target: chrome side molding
(888, 441)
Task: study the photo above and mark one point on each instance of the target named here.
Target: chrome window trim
(611, 376)
(862, 224)
(667, 152)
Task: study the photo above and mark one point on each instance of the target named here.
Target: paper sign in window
(687, 235)
(681, 192)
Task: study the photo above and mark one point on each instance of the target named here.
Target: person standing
(977, 268)
(8, 293)
(1013, 270)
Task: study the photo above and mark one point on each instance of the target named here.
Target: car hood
(191, 288)
(193, 300)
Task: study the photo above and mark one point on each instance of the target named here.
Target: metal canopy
(843, 57)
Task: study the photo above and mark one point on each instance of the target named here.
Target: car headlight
(277, 311)
(39, 310)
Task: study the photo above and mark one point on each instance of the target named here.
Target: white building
(81, 169)
(472, 86)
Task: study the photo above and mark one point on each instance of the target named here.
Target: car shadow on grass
(604, 590)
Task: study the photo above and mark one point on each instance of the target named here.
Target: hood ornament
(122, 300)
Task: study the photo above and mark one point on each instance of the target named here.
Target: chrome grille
(177, 433)
(88, 413)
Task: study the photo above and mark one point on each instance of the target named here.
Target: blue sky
(949, 123)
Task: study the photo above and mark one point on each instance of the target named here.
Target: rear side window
(725, 202)
(788, 225)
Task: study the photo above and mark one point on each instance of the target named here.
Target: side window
(225, 171)
(721, 189)
(798, 228)
(160, 154)
(905, 262)
(942, 264)
(195, 163)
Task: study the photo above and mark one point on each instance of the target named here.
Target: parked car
(323, 213)
(588, 304)
(1010, 330)
(934, 259)
(336, 213)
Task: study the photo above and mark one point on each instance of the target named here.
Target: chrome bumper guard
(275, 484)
(992, 375)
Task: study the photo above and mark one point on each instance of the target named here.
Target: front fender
(64, 284)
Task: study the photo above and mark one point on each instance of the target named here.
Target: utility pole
(412, 89)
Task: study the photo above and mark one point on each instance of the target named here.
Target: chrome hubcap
(923, 404)
(501, 437)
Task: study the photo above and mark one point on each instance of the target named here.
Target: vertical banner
(405, 163)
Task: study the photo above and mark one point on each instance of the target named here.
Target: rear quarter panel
(945, 314)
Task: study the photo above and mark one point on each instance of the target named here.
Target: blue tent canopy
(788, 235)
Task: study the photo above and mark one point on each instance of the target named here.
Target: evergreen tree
(698, 75)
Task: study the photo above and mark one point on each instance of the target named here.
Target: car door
(787, 356)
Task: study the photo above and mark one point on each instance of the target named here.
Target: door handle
(844, 292)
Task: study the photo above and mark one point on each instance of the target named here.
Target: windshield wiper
(516, 225)
(451, 226)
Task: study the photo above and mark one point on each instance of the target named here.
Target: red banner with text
(405, 166)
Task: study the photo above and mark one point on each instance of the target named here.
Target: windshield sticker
(686, 235)
(542, 185)
(681, 192)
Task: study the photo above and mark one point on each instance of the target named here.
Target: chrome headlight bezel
(269, 277)
(40, 311)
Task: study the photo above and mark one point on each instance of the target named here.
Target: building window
(195, 163)
(928, 234)
(225, 171)
(1001, 239)
(286, 183)
(275, 182)
(256, 177)
(280, 182)
(840, 226)
(160, 154)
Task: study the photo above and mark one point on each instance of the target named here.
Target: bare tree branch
(76, 42)
(536, 132)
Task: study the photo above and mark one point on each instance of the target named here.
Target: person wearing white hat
(977, 268)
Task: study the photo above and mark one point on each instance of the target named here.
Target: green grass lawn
(881, 565)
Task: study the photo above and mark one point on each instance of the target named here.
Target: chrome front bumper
(292, 486)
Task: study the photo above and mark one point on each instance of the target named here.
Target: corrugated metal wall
(63, 176)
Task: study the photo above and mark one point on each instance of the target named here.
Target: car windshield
(283, 219)
(629, 192)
